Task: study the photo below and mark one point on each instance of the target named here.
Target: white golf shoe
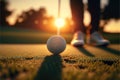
(78, 39)
(97, 40)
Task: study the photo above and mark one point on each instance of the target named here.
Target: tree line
(40, 20)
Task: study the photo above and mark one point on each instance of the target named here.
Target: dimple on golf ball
(56, 44)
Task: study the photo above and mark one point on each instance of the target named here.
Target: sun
(59, 22)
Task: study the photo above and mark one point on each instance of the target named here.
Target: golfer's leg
(94, 9)
(95, 37)
(77, 14)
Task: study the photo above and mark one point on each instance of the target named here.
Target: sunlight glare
(87, 18)
(59, 22)
(10, 20)
(113, 26)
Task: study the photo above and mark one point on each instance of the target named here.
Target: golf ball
(56, 44)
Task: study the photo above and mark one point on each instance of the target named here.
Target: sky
(51, 6)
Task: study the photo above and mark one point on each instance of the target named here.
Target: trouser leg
(77, 14)
(94, 9)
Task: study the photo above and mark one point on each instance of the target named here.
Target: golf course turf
(24, 56)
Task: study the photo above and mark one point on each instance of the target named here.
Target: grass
(95, 63)
(14, 35)
(59, 68)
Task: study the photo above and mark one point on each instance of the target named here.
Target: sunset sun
(59, 22)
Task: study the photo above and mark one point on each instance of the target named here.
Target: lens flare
(59, 22)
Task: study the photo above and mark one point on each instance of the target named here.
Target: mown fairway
(23, 61)
(33, 61)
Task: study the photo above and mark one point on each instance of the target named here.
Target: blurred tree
(31, 19)
(39, 20)
(112, 10)
(4, 13)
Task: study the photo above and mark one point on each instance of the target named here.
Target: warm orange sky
(51, 5)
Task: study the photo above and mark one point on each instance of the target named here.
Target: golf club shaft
(59, 6)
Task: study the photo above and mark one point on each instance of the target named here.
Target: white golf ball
(56, 44)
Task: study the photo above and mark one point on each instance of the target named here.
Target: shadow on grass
(51, 68)
(84, 51)
(113, 51)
